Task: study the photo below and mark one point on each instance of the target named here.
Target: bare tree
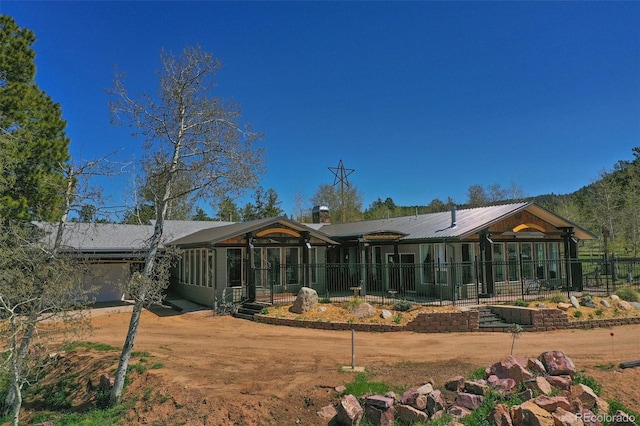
(41, 280)
(189, 136)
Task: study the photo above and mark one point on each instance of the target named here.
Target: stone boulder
(410, 415)
(380, 410)
(500, 416)
(455, 384)
(536, 366)
(557, 363)
(564, 306)
(620, 418)
(532, 414)
(562, 417)
(435, 403)
(539, 384)
(510, 368)
(574, 302)
(587, 301)
(364, 310)
(503, 386)
(385, 314)
(305, 301)
(585, 394)
(624, 305)
(349, 411)
(469, 400)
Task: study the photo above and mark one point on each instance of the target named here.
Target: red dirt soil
(227, 371)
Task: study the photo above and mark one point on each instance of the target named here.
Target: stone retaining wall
(539, 319)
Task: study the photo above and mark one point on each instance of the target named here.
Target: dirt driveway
(223, 370)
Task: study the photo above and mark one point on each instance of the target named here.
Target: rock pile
(545, 384)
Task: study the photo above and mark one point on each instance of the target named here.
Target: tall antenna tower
(341, 176)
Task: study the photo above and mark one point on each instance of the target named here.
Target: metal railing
(451, 283)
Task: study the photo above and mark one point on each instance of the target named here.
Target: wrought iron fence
(457, 283)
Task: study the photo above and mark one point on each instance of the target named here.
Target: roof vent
(453, 217)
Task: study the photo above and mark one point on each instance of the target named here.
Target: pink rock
(500, 416)
(469, 400)
(408, 414)
(510, 368)
(557, 363)
(349, 411)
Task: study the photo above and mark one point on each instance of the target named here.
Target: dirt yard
(227, 371)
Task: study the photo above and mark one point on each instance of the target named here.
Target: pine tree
(30, 117)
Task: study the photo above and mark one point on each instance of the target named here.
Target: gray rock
(587, 302)
(364, 310)
(605, 303)
(574, 302)
(306, 300)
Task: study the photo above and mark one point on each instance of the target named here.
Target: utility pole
(341, 176)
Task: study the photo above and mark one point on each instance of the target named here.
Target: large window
(234, 267)
(292, 262)
(498, 262)
(196, 267)
(428, 264)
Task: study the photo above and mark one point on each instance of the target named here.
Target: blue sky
(422, 99)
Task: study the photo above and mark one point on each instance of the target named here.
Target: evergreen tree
(31, 117)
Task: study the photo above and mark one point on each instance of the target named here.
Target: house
(466, 253)
(487, 248)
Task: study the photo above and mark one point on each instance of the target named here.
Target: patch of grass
(264, 311)
(157, 366)
(599, 312)
(477, 374)
(353, 303)
(559, 298)
(397, 318)
(521, 303)
(59, 395)
(615, 406)
(577, 314)
(138, 368)
(72, 346)
(606, 367)
(587, 381)
(147, 395)
(325, 300)
(361, 385)
(140, 354)
(628, 294)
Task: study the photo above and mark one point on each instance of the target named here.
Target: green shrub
(558, 298)
(520, 302)
(598, 312)
(324, 300)
(628, 294)
(361, 386)
(402, 306)
(72, 346)
(264, 311)
(397, 318)
(353, 303)
(577, 314)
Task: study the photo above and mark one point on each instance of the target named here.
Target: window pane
(234, 267)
